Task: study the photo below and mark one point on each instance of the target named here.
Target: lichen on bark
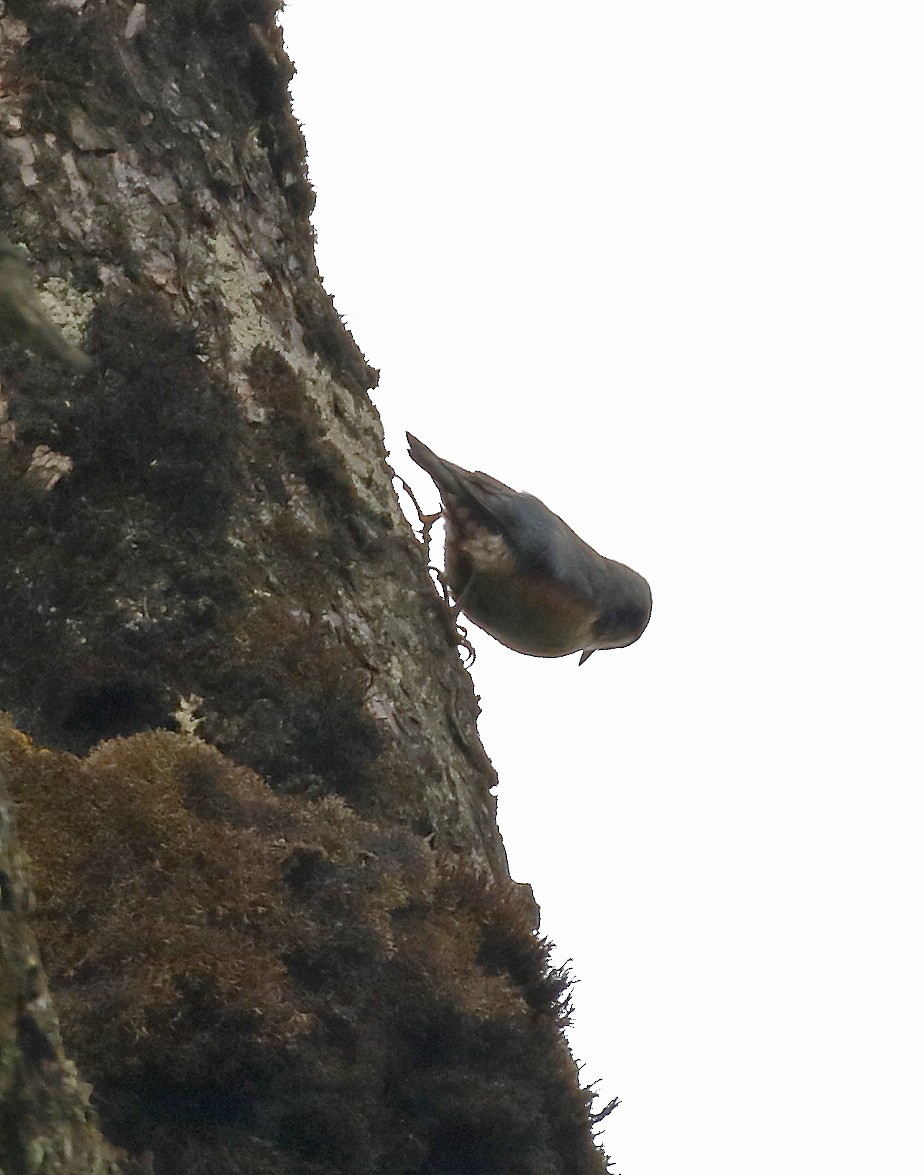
(274, 902)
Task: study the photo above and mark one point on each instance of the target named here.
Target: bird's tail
(444, 473)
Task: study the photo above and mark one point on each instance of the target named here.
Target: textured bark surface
(46, 1122)
(296, 948)
(229, 530)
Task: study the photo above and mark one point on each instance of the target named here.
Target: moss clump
(257, 985)
(157, 423)
(327, 335)
(148, 422)
(119, 580)
(122, 590)
(302, 722)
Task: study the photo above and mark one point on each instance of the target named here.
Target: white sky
(661, 264)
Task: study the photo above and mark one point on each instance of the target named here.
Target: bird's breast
(525, 612)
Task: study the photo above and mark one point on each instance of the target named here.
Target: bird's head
(621, 624)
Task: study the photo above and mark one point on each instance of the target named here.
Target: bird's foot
(453, 610)
(444, 588)
(464, 643)
(427, 521)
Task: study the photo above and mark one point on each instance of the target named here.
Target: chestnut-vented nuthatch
(522, 574)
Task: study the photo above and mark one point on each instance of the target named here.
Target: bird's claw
(444, 587)
(464, 643)
(427, 521)
(453, 609)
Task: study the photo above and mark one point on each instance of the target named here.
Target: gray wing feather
(544, 543)
(539, 540)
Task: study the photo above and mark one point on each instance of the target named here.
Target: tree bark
(46, 1122)
(273, 900)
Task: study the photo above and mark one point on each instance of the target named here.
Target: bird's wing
(453, 480)
(543, 543)
(540, 541)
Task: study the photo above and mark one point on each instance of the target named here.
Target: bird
(521, 574)
(23, 318)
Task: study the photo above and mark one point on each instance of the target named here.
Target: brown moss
(120, 577)
(134, 596)
(235, 968)
(253, 983)
(327, 335)
(507, 945)
(128, 855)
(302, 723)
(157, 422)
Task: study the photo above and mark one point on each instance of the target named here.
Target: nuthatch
(523, 575)
(23, 318)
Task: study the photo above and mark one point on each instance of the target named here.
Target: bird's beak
(585, 655)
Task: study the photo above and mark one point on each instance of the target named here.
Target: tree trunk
(46, 1123)
(273, 900)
